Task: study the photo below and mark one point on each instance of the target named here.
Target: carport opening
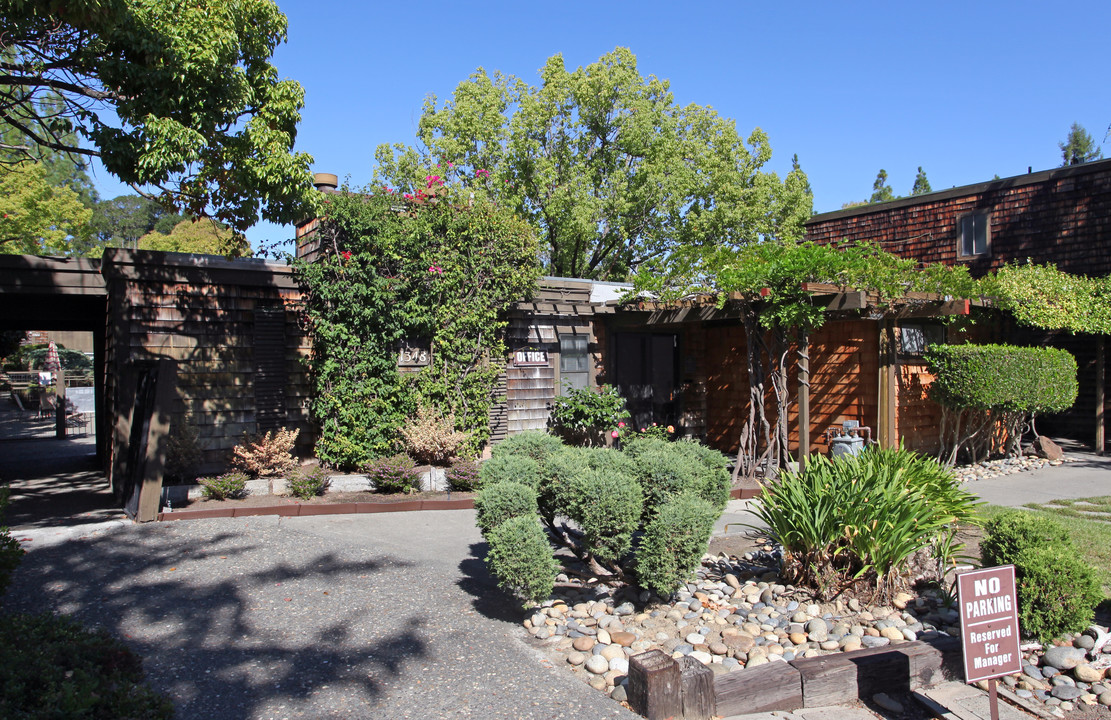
(55, 477)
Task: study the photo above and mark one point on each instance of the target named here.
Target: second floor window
(974, 235)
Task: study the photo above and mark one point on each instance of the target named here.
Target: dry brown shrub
(266, 456)
(431, 438)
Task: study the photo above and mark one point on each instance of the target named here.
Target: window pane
(572, 353)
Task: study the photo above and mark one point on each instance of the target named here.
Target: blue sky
(967, 90)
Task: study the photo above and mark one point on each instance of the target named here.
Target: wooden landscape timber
(661, 687)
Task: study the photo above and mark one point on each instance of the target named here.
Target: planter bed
(334, 503)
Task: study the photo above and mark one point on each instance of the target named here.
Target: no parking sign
(989, 623)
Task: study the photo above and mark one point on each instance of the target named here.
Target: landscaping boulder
(1046, 448)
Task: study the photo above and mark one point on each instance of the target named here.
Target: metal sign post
(989, 627)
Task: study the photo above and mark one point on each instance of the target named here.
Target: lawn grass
(1088, 522)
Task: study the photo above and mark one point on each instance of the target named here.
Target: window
(974, 235)
(916, 338)
(574, 361)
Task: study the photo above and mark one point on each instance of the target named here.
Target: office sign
(989, 623)
(527, 357)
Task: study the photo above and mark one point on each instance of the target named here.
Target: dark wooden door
(646, 371)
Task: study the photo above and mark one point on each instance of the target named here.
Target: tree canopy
(605, 166)
(172, 95)
(38, 218)
(1079, 147)
(921, 184)
(881, 191)
(1043, 296)
(121, 221)
(203, 236)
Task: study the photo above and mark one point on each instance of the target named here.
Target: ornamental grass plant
(857, 521)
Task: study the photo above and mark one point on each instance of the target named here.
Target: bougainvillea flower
(346, 254)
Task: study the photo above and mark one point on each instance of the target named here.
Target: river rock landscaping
(737, 615)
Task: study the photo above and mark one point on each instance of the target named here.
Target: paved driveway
(371, 616)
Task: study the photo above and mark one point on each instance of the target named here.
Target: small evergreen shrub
(183, 451)
(1057, 591)
(431, 438)
(560, 487)
(521, 558)
(228, 486)
(586, 416)
(535, 444)
(673, 543)
(510, 468)
(395, 474)
(497, 503)
(609, 513)
(463, 476)
(11, 552)
(1008, 534)
(309, 483)
(663, 471)
(51, 667)
(269, 455)
(713, 474)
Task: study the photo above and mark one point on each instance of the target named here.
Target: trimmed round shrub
(521, 558)
(1008, 534)
(497, 503)
(1057, 591)
(1004, 377)
(610, 512)
(673, 543)
(535, 444)
(51, 667)
(309, 483)
(394, 474)
(560, 487)
(228, 486)
(714, 473)
(510, 468)
(664, 472)
(463, 476)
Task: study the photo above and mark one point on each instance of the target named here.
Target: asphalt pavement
(383, 616)
(356, 616)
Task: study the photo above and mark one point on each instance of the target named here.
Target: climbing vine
(430, 272)
(765, 282)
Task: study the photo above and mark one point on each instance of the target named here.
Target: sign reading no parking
(989, 623)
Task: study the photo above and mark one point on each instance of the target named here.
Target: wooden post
(697, 694)
(655, 685)
(60, 403)
(1101, 362)
(885, 430)
(804, 398)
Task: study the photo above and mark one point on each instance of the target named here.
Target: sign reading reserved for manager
(989, 623)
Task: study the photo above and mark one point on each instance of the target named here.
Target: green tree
(172, 95)
(203, 236)
(60, 168)
(921, 184)
(121, 221)
(881, 192)
(1079, 147)
(38, 218)
(605, 166)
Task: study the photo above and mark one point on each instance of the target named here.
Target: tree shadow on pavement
(489, 599)
(307, 634)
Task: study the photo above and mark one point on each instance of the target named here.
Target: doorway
(646, 372)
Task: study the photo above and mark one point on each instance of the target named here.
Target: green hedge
(1002, 377)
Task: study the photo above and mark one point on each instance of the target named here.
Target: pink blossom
(436, 269)
(432, 179)
(615, 434)
(481, 173)
(620, 424)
